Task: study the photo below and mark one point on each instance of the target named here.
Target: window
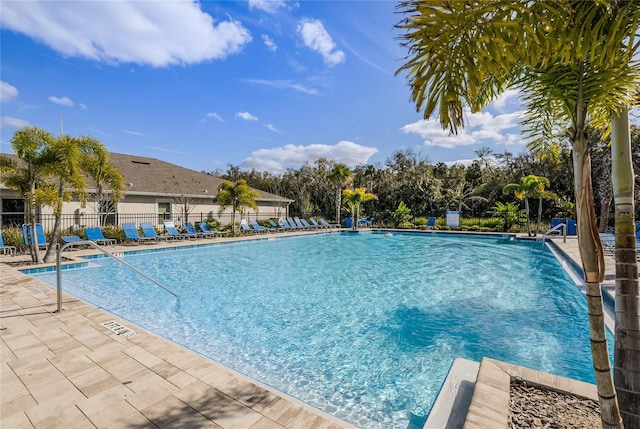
(107, 210)
(12, 211)
(164, 212)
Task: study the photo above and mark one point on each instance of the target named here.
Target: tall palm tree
(339, 177)
(530, 186)
(571, 59)
(238, 196)
(30, 178)
(73, 158)
(354, 198)
(627, 287)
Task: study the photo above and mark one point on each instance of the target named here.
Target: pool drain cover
(118, 329)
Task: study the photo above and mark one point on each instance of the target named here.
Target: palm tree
(30, 179)
(461, 193)
(339, 177)
(530, 186)
(571, 59)
(509, 214)
(110, 184)
(238, 196)
(354, 198)
(627, 287)
(73, 158)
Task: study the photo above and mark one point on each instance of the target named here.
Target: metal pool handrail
(96, 246)
(556, 228)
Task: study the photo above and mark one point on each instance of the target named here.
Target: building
(154, 191)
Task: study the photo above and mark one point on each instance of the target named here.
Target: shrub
(214, 224)
(13, 237)
(420, 221)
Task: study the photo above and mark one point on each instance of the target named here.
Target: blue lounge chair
(41, 240)
(258, 227)
(431, 223)
(95, 234)
(148, 230)
(307, 224)
(246, 228)
(299, 223)
(292, 224)
(191, 230)
(204, 227)
(275, 226)
(131, 233)
(6, 249)
(286, 225)
(173, 231)
(326, 224)
(315, 223)
(70, 239)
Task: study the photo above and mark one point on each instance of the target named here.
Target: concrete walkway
(67, 370)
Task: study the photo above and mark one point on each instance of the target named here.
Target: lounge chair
(326, 224)
(258, 227)
(40, 237)
(292, 224)
(191, 230)
(315, 223)
(299, 223)
(72, 239)
(275, 226)
(307, 224)
(173, 231)
(286, 225)
(148, 230)
(204, 227)
(431, 223)
(6, 249)
(246, 228)
(131, 233)
(95, 234)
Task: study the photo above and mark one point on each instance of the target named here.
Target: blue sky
(259, 84)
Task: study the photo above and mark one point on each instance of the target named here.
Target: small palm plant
(354, 198)
(509, 214)
(238, 196)
(401, 216)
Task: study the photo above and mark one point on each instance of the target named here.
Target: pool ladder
(111, 255)
(557, 228)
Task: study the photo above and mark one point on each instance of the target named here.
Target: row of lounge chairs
(286, 224)
(150, 235)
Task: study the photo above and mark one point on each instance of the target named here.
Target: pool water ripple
(360, 325)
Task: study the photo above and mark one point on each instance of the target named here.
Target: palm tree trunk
(593, 266)
(526, 207)
(626, 368)
(535, 234)
(49, 256)
(33, 241)
(338, 202)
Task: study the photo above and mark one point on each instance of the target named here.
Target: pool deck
(67, 370)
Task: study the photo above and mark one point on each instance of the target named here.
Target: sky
(263, 84)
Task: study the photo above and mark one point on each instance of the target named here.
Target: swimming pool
(362, 326)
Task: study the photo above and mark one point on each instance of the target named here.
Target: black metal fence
(71, 221)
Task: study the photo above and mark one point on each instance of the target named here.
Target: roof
(150, 176)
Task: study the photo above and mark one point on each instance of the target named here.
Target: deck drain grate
(118, 329)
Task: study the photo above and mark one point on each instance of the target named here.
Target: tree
(570, 59)
(339, 177)
(238, 196)
(29, 179)
(463, 192)
(509, 214)
(354, 198)
(71, 159)
(530, 186)
(109, 183)
(401, 216)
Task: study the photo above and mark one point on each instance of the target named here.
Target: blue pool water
(363, 326)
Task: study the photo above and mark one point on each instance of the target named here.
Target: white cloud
(215, 116)
(141, 32)
(7, 92)
(505, 97)
(134, 133)
(246, 116)
(280, 158)
(268, 41)
(479, 128)
(284, 84)
(63, 101)
(8, 121)
(314, 36)
(82, 106)
(269, 6)
(271, 127)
